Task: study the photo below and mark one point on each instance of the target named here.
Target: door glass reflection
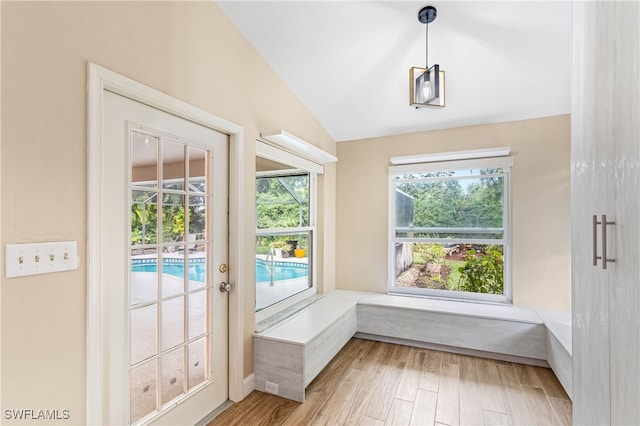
(143, 390)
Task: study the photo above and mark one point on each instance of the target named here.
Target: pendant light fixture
(426, 85)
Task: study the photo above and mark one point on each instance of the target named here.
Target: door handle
(225, 287)
(604, 222)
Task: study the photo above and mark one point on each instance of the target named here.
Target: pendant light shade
(426, 85)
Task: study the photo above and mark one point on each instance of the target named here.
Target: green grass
(454, 276)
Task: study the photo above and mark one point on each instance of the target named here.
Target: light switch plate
(40, 258)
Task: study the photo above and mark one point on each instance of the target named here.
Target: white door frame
(100, 79)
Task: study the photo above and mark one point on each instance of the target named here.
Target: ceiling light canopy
(426, 85)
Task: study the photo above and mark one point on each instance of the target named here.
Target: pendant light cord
(427, 46)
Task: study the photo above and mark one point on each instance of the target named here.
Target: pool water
(280, 273)
(197, 271)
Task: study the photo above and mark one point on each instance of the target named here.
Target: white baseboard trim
(248, 385)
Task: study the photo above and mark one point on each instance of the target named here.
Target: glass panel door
(169, 255)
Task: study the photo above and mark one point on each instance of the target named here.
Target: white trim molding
(474, 163)
(276, 154)
(249, 384)
(502, 151)
(99, 80)
(292, 143)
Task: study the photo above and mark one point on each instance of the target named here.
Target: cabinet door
(623, 59)
(591, 156)
(605, 180)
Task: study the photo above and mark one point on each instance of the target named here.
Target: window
(449, 229)
(285, 229)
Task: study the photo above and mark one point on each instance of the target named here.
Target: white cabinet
(605, 151)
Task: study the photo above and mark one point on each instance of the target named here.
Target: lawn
(454, 273)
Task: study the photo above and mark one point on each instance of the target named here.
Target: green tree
(455, 202)
(436, 202)
(484, 201)
(282, 201)
(144, 217)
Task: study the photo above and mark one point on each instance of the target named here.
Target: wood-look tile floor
(375, 383)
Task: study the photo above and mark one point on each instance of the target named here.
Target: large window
(449, 229)
(285, 230)
(283, 235)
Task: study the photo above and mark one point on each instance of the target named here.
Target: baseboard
(248, 385)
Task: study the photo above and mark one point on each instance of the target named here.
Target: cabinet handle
(595, 240)
(604, 257)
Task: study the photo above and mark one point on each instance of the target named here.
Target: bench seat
(289, 355)
(292, 353)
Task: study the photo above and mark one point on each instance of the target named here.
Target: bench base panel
(281, 363)
(454, 350)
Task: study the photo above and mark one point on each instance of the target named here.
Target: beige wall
(189, 50)
(540, 202)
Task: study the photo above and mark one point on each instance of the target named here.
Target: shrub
(434, 253)
(482, 272)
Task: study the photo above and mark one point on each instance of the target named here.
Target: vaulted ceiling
(348, 61)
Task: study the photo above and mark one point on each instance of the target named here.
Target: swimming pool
(197, 270)
(282, 271)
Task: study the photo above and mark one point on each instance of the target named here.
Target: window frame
(300, 164)
(503, 162)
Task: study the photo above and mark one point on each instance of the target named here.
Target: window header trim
(501, 151)
(478, 163)
(294, 144)
(274, 154)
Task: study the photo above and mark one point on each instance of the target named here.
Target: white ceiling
(348, 61)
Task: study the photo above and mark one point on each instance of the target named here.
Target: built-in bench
(559, 352)
(289, 355)
(292, 353)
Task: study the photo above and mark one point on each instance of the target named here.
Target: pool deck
(292, 259)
